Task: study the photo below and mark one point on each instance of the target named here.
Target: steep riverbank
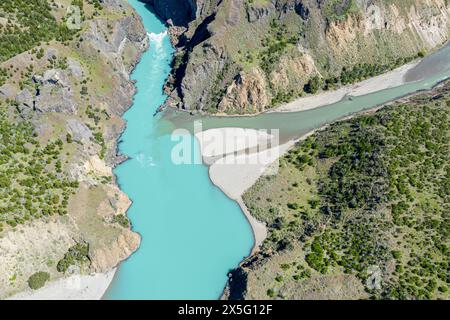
(71, 92)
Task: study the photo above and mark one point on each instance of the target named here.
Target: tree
(313, 85)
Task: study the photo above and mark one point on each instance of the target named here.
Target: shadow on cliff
(150, 8)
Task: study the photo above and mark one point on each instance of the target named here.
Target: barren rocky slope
(245, 56)
(70, 91)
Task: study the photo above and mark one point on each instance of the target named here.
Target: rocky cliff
(244, 56)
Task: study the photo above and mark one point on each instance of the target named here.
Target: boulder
(54, 93)
(6, 92)
(79, 131)
(25, 99)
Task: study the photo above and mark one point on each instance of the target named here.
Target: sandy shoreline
(76, 287)
(384, 81)
(237, 170)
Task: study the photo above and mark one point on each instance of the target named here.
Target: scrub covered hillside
(358, 210)
(246, 56)
(62, 93)
(24, 24)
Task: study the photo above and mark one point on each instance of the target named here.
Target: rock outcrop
(248, 91)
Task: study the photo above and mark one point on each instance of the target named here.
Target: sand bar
(387, 80)
(234, 173)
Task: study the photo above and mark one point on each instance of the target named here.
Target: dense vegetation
(338, 10)
(368, 193)
(32, 182)
(28, 23)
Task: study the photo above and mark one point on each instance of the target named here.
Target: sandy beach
(76, 287)
(236, 171)
(387, 80)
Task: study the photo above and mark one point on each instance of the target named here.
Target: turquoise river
(192, 234)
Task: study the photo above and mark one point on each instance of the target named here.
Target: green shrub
(122, 220)
(313, 85)
(38, 280)
(76, 255)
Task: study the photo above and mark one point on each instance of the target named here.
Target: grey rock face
(79, 131)
(302, 10)
(126, 30)
(255, 13)
(200, 77)
(374, 281)
(51, 53)
(132, 29)
(25, 99)
(6, 92)
(113, 40)
(95, 35)
(55, 77)
(54, 93)
(234, 15)
(55, 101)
